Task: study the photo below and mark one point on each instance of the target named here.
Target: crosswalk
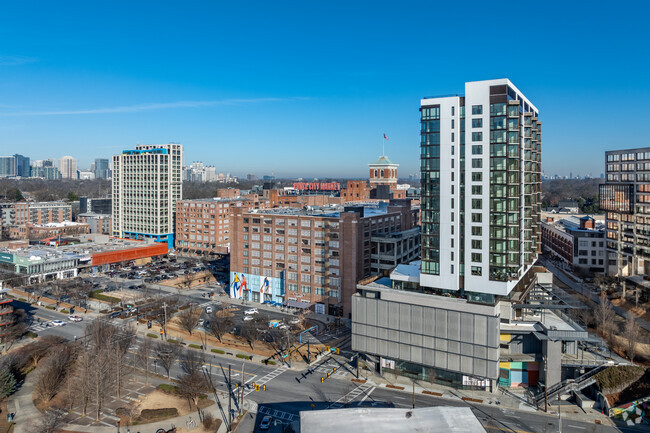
(327, 367)
(38, 327)
(363, 389)
(266, 379)
(277, 413)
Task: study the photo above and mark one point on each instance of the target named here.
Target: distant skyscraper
(101, 168)
(68, 167)
(14, 166)
(146, 186)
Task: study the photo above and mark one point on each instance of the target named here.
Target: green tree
(14, 194)
(7, 383)
(72, 196)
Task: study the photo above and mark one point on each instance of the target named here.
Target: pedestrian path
(38, 327)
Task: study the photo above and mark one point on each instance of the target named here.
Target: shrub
(208, 421)
(270, 362)
(64, 311)
(31, 334)
(617, 378)
(149, 415)
(173, 341)
(22, 299)
(49, 307)
(152, 335)
(195, 346)
(96, 294)
(169, 389)
(242, 356)
(219, 351)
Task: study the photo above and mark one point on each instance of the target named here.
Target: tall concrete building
(68, 167)
(625, 197)
(146, 186)
(14, 166)
(481, 203)
(101, 169)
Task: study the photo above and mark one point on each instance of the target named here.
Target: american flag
(386, 138)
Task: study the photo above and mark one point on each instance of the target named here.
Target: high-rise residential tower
(481, 189)
(146, 186)
(68, 167)
(439, 320)
(625, 197)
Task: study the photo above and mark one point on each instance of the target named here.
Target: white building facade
(146, 186)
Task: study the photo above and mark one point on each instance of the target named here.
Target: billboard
(242, 285)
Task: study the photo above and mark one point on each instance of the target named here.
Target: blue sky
(308, 88)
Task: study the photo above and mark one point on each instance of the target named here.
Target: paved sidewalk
(510, 399)
(27, 415)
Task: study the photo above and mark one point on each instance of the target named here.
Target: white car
(75, 318)
(58, 322)
(251, 311)
(295, 321)
(208, 309)
(247, 318)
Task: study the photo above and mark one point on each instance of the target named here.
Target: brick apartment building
(309, 258)
(16, 217)
(203, 226)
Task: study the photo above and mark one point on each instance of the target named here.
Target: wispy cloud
(149, 107)
(15, 60)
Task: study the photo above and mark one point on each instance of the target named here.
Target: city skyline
(301, 98)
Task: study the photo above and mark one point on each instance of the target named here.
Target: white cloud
(15, 60)
(148, 107)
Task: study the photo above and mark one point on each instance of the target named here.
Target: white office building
(146, 186)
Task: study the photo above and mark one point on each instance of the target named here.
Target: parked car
(247, 318)
(74, 318)
(208, 309)
(295, 321)
(251, 311)
(58, 322)
(265, 424)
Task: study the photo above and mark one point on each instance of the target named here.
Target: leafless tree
(50, 422)
(191, 361)
(14, 331)
(83, 389)
(189, 318)
(251, 330)
(604, 315)
(220, 323)
(123, 340)
(192, 386)
(632, 333)
(53, 371)
(167, 353)
(143, 355)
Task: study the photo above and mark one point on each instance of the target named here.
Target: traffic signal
(335, 369)
(257, 387)
(263, 387)
(337, 351)
(327, 348)
(328, 374)
(321, 380)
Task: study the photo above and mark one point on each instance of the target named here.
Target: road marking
(269, 377)
(577, 426)
(264, 410)
(368, 394)
(506, 429)
(350, 396)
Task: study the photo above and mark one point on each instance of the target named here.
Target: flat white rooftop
(391, 420)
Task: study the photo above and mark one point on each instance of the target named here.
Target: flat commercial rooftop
(391, 420)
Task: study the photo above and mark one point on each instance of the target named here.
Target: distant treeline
(584, 191)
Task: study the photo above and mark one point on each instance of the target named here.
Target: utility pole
(229, 398)
(559, 414)
(241, 391)
(165, 320)
(413, 393)
(545, 385)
